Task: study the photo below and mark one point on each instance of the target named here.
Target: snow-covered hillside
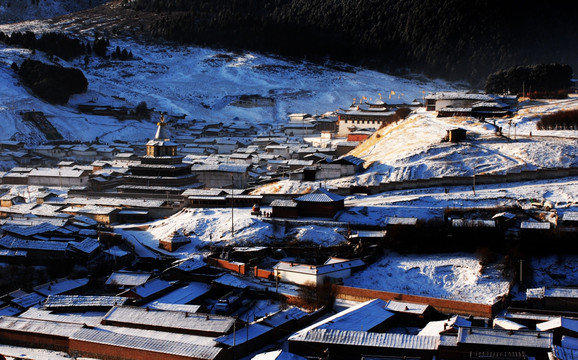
(201, 83)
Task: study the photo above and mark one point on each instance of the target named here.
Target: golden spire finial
(162, 122)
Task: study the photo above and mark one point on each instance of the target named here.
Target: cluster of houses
(214, 308)
(448, 104)
(187, 310)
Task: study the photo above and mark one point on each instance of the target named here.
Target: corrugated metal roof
(10, 242)
(564, 353)
(162, 346)
(38, 326)
(534, 225)
(127, 278)
(233, 168)
(320, 196)
(570, 216)
(175, 320)
(151, 287)
(173, 307)
(560, 292)
(27, 231)
(394, 220)
(60, 286)
(473, 223)
(91, 318)
(68, 301)
(506, 338)
(364, 316)
(284, 203)
(362, 338)
(87, 245)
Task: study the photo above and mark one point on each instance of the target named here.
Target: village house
(222, 175)
(363, 117)
(454, 100)
(284, 209)
(174, 321)
(282, 151)
(68, 177)
(124, 279)
(173, 241)
(319, 203)
(304, 274)
(148, 291)
(478, 340)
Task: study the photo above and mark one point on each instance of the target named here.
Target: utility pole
(232, 208)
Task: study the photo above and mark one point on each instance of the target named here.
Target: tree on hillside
(544, 78)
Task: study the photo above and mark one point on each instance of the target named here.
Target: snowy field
(449, 276)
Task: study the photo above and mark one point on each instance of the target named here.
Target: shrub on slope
(52, 83)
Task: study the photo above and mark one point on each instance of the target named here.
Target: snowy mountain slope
(202, 83)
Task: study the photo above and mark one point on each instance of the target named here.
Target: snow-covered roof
(10, 242)
(473, 223)
(367, 339)
(286, 266)
(233, 168)
(185, 294)
(71, 301)
(406, 307)
(277, 355)
(170, 320)
(156, 305)
(396, 220)
(283, 203)
(127, 278)
(506, 324)
(282, 317)
(232, 281)
(320, 196)
(570, 216)
(434, 328)
(151, 287)
(58, 172)
(39, 326)
(147, 344)
(560, 322)
(28, 300)
(364, 316)
(350, 263)
(534, 225)
(28, 231)
(509, 338)
(86, 246)
(378, 234)
(243, 335)
(60, 286)
(458, 96)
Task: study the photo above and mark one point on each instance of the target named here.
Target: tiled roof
(320, 196)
